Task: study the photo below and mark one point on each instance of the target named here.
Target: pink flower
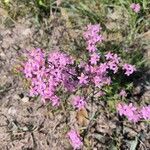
(120, 109)
(91, 48)
(100, 38)
(112, 57)
(145, 112)
(46, 78)
(135, 7)
(123, 93)
(55, 100)
(112, 66)
(116, 59)
(83, 79)
(129, 69)
(130, 111)
(94, 58)
(92, 37)
(78, 102)
(59, 59)
(103, 67)
(109, 56)
(133, 113)
(75, 139)
(97, 80)
(107, 81)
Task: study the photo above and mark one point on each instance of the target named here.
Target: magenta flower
(112, 57)
(107, 81)
(75, 139)
(92, 37)
(120, 109)
(78, 102)
(58, 59)
(112, 66)
(94, 58)
(129, 69)
(91, 48)
(55, 100)
(145, 112)
(83, 79)
(103, 68)
(46, 78)
(133, 113)
(59, 72)
(97, 80)
(109, 56)
(135, 7)
(130, 111)
(116, 58)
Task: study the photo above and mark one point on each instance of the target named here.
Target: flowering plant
(90, 78)
(58, 70)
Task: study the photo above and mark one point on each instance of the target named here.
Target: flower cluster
(113, 61)
(95, 71)
(47, 74)
(133, 113)
(75, 139)
(92, 37)
(135, 7)
(56, 73)
(58, 70)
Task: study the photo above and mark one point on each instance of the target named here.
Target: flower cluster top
(57, 70)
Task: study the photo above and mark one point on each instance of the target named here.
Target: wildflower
(112, 66)
(123, 93)
(35, 61)
(116, 59)
(75, 139)
(92, 37)
(97, 80)
(78, 102)
(45, 78)
(103, 67)
(83, 79)
(107, 81)
(112, 57)
(120, 109)
(91, 48)
(135, 7)
(109, 56)
(94, 58)
(129, 69)
(145, 112)
(59, 59)
(130, 111)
